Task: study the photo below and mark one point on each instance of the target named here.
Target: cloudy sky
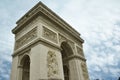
(98, 21)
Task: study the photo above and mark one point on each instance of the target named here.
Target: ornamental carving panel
(84, 70)
(26, 38)
(48, 34)
(52, 65)
(80, 51)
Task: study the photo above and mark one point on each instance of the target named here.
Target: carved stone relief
(48, 34)
(52, 65)
(80, 51)
(26, 38)
(84, 70)
(62, 38)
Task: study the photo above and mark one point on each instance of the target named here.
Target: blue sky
(98, 21)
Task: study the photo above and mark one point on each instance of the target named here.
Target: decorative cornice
(41, 9)
(30, 45)
(75, 57)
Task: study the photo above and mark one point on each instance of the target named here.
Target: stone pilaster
(75, 72)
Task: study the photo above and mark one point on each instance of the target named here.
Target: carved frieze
(80, 51)
(52, 65)
(84, 70)
(50, 35)
(26, 38)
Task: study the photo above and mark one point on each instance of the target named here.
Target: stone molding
(75, 57)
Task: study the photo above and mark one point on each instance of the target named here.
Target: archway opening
(66, 52)
(25, 67)
(66, 72)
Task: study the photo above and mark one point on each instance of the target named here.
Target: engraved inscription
(26, 38)
(80, 51)
(48, 34)
(52, 65)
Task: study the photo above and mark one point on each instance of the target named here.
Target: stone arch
(25, 65)
(66, 49)
(66, 52)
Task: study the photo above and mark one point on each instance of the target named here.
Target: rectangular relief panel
(50, 35)
(26, 38)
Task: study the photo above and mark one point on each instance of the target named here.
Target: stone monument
(47, 48)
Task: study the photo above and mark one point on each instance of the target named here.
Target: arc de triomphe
(47, 48)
